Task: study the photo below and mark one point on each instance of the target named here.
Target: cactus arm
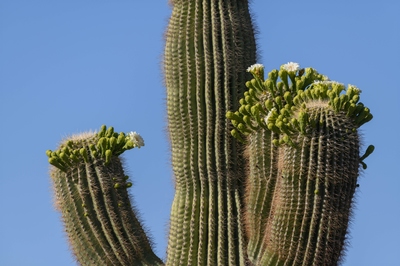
(209, 45)
(306, 213)
(91, 193)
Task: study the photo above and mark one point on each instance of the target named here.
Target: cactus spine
(209, 45)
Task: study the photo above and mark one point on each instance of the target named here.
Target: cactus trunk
(209, 45)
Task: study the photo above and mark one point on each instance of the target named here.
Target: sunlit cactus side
(91, 192)
(209, 45)
(301, 131)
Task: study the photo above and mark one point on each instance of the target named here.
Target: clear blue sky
(68, 66)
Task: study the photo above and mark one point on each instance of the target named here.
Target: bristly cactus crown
(282, 103)
(105, 143)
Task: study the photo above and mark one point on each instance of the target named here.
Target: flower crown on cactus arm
(281, 103)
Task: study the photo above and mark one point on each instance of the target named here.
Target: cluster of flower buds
(106, 143)
(283, 102)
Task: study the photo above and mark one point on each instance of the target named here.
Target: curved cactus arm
(303, 181)
(209, 45)
(91, 193)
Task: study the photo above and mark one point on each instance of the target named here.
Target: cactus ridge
(91, 193)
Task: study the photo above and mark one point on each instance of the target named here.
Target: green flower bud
(108, 154)
(248, 84)
(243, 128)
(368, 152)
(248, 121)
(237, 135)
(351, 109)
(288, 98)
(102, 131)
(269, 104)
(278, 101)
(281, 87)
(253, 94)
(275, 142)
(243, 110)
(299, 83)
(65, 158)
(102, 145)
(355, 98)
(303, 122)
(112, 142)
(83, 153)
(74, 158)
(233, 116)
(273, 75)
(57, 163)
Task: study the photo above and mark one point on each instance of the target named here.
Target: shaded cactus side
(303, 164)
(91, 193)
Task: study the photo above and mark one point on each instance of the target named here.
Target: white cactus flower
(327, 82)
(254, 67)
(291, 67)
(355, 88)
(136, 139)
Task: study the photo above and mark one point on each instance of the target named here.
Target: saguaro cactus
(271, 185)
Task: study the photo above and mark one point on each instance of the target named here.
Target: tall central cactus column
(208, 48)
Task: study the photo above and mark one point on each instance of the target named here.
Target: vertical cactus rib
(261, 183)
(91, 193)
(304, 198)
(205, 58)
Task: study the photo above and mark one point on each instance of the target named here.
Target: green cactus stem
(91, 193)
(208, 48)
(303, 151)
